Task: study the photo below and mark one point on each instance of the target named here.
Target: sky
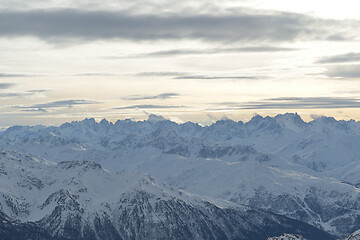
(187, 60)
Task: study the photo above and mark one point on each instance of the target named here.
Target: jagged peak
(104, 121)
(89, 120)
(256, 118)
(294, 116)
(289, 121)
(291, 117)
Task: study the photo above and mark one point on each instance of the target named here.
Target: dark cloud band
(182, 52)
(6, 85)
(149, 97)
(148, 107)
(10, 75)
(56, 104)
(55, 24)
(298, 103)
(28, 93)
(344, 71)
(205, 77)
(342, 58)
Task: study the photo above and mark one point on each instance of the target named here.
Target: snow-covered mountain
(81, 200)
(306, 171)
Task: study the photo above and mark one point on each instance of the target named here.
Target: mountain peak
(289, 115)
(104, 122)
(88, 121)
(256, 118)
(287, 121)
(291, 121)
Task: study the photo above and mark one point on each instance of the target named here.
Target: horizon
(193, 61)
(97, 120)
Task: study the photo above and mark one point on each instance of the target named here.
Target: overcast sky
(64, 60)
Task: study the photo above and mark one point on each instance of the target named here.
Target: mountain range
(279, 168)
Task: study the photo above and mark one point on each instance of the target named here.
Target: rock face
(304, 171)
(81, 200)
(354, 236)
(287, 237)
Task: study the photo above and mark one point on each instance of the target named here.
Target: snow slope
(81, 200)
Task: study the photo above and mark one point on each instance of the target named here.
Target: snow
(92, 185)
(255, 163)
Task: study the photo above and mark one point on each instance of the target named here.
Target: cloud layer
(182, 52)
(208, 77)
(6, 85)
(297, 103)
(55, 24)
(42, 107)
(341, 58)
(344, 71)
(148, 106)
(151, 97)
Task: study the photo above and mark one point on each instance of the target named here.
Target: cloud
(216, 77)
(342, 58)
(316, 116)
(11, 75)
(148, 107)
(195, 76)
(38, 90)
(27, 93)
(56, 104)
(6, 85)
(14, 95)
(94, 74)
(84, 74)
(54, 25)
(344, 71)
(147, 97)
(180, 52)
(159, 74)
(297, 103)
(347, 92)
(34, 110)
